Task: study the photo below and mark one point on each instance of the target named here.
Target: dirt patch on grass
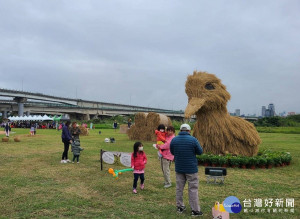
(43, 212)
(80, 189)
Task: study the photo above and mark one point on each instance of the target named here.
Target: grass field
(34, 184)
(285, 130)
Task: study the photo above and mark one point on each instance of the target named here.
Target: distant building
(270, 112)
(283, 114)
(237, 112)
(291, 113)
(263, 111)
(271, 107)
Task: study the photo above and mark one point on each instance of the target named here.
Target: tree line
(276, 121)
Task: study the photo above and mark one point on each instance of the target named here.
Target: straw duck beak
(193, 106)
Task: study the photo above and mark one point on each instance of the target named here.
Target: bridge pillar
(86, 117)
(20, 101)
(94, 116)
(27, 113)
(4, 114)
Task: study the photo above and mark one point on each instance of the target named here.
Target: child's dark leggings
(136, 177)
(76, 156)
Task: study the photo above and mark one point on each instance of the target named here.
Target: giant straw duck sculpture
(216, 130)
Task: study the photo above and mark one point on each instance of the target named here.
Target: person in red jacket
(160, 137)
(138, 161)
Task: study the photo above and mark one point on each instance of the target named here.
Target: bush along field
(264, 159)
(34, 184)
(285, 130)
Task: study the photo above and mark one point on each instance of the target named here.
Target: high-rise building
(270, 112)
(271, 107)
(237, 112)
(263, 111)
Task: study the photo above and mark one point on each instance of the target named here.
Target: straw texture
(216, 130)
(123, 128)
(5, 139)
(145, 126)
(83, 131)
(17, 139)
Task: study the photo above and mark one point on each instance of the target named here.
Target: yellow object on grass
(221, 207)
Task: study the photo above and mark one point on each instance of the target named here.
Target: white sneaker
(63, 161)
(168, 185)
(68, 161)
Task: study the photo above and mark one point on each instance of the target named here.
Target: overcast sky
(140, 52)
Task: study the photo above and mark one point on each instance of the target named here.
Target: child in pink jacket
(138, 161)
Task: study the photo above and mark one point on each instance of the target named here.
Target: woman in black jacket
(66, 139)
(7, 129)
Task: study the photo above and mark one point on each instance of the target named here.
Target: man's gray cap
(185, 127)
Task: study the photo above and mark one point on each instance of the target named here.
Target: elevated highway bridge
(37, 103)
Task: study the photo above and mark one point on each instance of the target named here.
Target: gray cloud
(140, 52)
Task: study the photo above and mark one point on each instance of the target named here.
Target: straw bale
(216, 130)
(83, 131)
(146, 124)
(123, 128)
(140, 119)
(153, 121)
(5, 139)
(17, 139)
(136, 133)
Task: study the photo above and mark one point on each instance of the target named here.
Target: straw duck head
(206, 92)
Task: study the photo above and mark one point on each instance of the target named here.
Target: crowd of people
(36, 125)
(181, 149)
(28, 124)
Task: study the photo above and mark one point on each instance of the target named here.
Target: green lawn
(285, 130)
(34, 184)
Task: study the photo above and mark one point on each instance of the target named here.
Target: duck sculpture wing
(244, 131)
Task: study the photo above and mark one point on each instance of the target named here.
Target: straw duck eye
(209, 86)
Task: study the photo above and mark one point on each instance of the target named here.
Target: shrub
(252, 161)
(264, 157)
(262, 161)
(214, 159)
(277, 160)
(222, 160)
(270, 161)
(234, 161)
(286, 158)
(203, 158)
(244, 161)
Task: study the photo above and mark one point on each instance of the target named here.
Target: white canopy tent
(47, 118)
(30, 118)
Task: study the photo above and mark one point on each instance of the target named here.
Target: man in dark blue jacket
(185, 147)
